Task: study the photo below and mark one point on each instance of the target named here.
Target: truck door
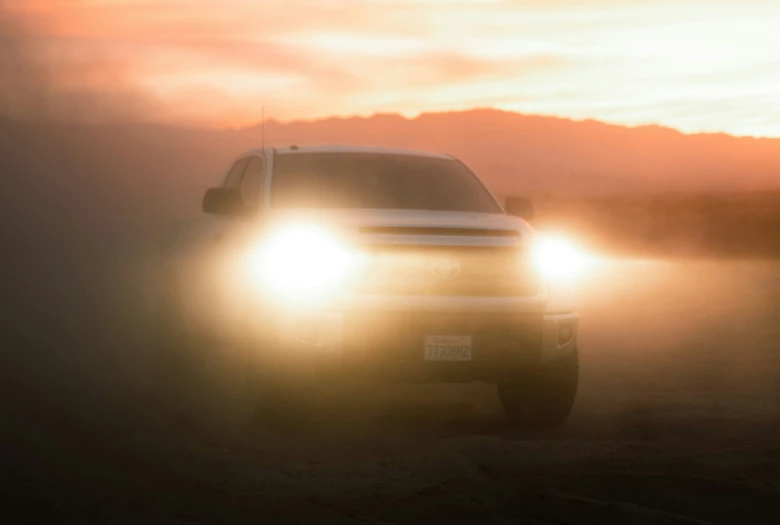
(230, 240)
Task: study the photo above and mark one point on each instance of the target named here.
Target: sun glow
(688, 64)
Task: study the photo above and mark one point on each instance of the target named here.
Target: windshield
(377, 181)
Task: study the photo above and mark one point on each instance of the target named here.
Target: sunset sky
(693, 65)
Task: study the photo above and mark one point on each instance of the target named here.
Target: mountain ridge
(76, 183)
(386, 116)
(532, 153)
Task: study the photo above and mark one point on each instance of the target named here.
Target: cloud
(217, 62)
(42, 82)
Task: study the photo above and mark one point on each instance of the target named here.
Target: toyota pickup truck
(334, 262)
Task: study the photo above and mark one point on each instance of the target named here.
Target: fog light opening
(565, 334)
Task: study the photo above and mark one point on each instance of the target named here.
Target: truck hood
(358, 221)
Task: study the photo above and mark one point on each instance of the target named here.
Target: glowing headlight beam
(558, 257)
(301, 260)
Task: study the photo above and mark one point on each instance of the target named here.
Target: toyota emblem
(445, 268)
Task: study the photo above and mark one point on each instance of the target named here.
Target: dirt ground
(678, 420)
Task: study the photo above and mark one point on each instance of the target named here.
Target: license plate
(447, 348)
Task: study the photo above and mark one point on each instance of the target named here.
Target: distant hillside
(75, 184)
(523, 153)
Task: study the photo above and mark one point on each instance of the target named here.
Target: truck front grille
(447, 270)
(447, 231)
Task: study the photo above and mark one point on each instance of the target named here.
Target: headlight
(558, 257)
(302, 260)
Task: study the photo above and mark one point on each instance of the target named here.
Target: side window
(252, 182)
(233, 178)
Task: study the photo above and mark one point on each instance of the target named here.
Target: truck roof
(338, 148)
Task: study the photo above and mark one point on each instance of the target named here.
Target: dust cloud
(677, 421)
(41, 82)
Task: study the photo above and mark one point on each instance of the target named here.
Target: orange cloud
(687, 64)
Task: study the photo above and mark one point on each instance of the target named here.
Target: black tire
(544, 397)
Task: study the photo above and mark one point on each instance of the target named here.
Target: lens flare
(558, 257)
(302, 260)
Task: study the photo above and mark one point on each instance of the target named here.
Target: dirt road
(678, 420)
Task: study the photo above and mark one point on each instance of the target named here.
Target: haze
(621, 119)
(694, 66)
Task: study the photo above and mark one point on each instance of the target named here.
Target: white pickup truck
(336, 262)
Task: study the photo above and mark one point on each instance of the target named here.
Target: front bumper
(382, 337)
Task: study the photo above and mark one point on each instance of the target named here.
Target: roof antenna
(262, 136)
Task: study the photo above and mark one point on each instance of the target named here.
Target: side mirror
(522, 207)
(225, 201)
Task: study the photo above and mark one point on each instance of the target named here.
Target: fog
(679, 391)
(677, 418)
(678, 415)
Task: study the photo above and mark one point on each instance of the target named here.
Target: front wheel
(542, 398)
